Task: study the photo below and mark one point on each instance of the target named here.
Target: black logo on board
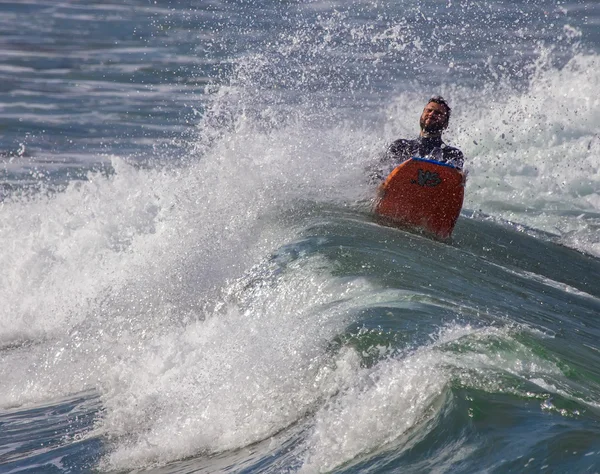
(427, 178)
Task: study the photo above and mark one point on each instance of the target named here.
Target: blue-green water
(193, 280)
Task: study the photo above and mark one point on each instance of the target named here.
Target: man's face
(434, 118)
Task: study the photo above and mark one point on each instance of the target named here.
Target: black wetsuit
(429, 148)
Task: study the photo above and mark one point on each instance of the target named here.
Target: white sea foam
(143, 251)
(534, 156)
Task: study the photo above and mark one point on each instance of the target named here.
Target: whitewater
(194, 280)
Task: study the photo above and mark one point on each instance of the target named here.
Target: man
(429, 145)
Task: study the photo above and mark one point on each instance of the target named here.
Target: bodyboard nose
(422, 193)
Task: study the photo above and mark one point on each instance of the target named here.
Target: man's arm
(395, 154)
(458, 160)
(454, 157)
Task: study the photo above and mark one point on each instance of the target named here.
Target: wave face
(193, 279)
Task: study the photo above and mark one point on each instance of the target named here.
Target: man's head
(435, 117)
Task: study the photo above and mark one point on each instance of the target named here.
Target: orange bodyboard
(423, 193)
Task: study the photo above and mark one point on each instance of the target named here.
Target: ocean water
(193, 280)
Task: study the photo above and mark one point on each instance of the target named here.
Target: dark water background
(193, 280)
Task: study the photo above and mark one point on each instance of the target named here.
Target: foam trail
(386, 403)
(397, 402)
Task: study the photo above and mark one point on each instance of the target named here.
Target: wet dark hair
(438, 99)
